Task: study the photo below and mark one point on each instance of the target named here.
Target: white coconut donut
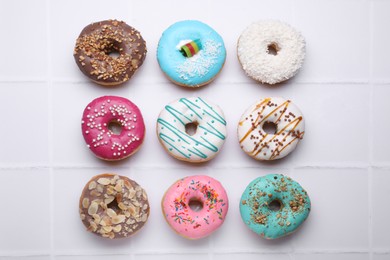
(288, 128)
(271, 51)
(208, 129)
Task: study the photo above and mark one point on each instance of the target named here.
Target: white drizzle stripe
(210, 134)
(290, 128)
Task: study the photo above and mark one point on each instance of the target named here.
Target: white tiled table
(343, 161)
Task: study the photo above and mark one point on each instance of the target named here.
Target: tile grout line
(50, 130)
(370, 130)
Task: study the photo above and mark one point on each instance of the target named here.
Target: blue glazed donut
(191, 53)
(274, 206)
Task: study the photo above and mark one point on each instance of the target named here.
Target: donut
(113, 206)
(207, 121)
(195, 206)
(112, 127)
(191, 53)
(95, 44)
(271, 128)
(271, 51)
(274, 206)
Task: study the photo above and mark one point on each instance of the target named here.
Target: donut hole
(114, 206)
(273, 49)
(115, 127)
(270, 127)
(191, 128)
(195, 204)
(114, 54)
(112, 50)
(275, 205)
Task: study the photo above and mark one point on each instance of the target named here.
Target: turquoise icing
(205, 143)
(200, 68)
(271, 224)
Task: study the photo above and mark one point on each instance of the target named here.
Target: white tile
(381, 41)
(189, 256)
(68, 18)
(244, 256)
(381, 256)
(94, 257)
(24, 44)
(337, 42)
(234, 234)
(25, 221)
(339, 209)
(335, 128)
(339, 256)
(381, 124)
(39, 257)
(24, 129)
(70, 235)
(381, 214)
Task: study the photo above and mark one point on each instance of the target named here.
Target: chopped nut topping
(116, 206)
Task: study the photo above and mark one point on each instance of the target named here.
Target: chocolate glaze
(97, 40)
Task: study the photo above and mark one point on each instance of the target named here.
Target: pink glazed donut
(195, 206)
(113, 127)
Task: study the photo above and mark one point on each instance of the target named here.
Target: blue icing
(200, 68)
(269, 223)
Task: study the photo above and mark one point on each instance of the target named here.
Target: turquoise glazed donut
(274, 206)
(191, 53)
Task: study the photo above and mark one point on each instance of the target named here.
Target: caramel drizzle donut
(288, 121)
(98, 40)
(113, 206)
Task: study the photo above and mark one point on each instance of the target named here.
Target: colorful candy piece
(191, 48)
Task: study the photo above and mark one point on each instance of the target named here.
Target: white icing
(290, 128)
(208, 138)
(199, 65)
(255, 58)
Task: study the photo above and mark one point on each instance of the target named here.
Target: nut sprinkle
(95, 48)
(113, 206)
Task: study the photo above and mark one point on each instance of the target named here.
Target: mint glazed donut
(274, 206)
(191, 53)
(192, 129)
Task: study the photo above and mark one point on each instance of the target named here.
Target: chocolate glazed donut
(95, 44)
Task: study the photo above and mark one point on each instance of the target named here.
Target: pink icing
(195, 224)
(100, 139)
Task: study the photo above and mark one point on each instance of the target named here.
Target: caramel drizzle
(257, 122)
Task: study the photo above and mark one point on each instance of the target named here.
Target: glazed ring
(282, 117)
(113, 127)
(274, 206)
(191, 53)
(209, 127)
(195, 206)
(95, 44)
(271, 51)
(113, 206)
